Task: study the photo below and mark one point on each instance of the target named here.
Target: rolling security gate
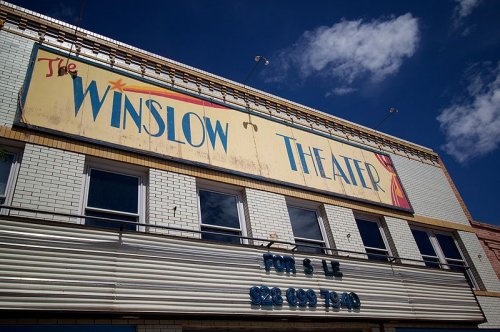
(55, 266)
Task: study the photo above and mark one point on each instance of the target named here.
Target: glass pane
(460, 267)
(219, 209)
(448, 246)
(5, 167)
(377, 255)
(305, 223)
(113, 191)
(109, 224)
(432, 262)
(423, 242)
(316, 249)
(456, 266)
(370, 234)
(220, 238)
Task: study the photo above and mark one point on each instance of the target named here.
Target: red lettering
(61, 69)
(51, 71)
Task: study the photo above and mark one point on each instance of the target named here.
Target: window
(7, 170)
(373, 238)
(426, 248)
(306, 227)
(113, 195)
(220, 212)
(438, 249)
(441, 251)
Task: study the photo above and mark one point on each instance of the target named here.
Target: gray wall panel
(67, 268)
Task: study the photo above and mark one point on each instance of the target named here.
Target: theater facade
(141, 194)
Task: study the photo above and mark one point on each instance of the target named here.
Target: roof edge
(351, 127)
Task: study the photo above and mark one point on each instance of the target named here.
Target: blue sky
(437, 62)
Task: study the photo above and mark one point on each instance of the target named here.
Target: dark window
(447, 244)
(220, 217)
(440, 250)
(6, 164)
(452, 254)
(306, 230)
(426, 249)
(220, 235)
(372, 240)
(114, 196)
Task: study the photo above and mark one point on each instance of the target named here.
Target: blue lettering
(289, 151)
(302, 156)
(186, 128)
(79, 96)
(290, 264)
(212, 134)
(116, 110)
(171, 125)
(335, 164)
(268, 261)
(320, 164)
(375, 182)
(279, 263)
(349, 169)
(129, 109)
(335, 269)
(308, 267)
(156, 115)
(360, 174)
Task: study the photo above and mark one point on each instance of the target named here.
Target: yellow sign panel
(112, 107)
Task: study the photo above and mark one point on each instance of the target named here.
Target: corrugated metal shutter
(56, 266)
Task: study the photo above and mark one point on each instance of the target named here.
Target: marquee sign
(108, 106)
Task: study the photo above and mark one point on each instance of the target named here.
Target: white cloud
(472, 127)
(341, 91)
(465, 7)
(350, 50)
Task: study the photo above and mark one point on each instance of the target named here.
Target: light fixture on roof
(392, 111)
(260, 57)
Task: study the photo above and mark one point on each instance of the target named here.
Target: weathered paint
(115, 108)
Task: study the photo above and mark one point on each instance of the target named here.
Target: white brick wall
(401, 240)
(168, 190)
(267, 215)
(474, 252)
(49, 179)
(491, 309)
(429, 190)
(345, 231)
(15, 53)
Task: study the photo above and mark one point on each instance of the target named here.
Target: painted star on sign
(118, 85)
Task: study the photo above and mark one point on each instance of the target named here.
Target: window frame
(377, 220)
(11, 179)
(222, 189)
(435, 245)
(314, 207)
(120, 169)
(443, 263)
